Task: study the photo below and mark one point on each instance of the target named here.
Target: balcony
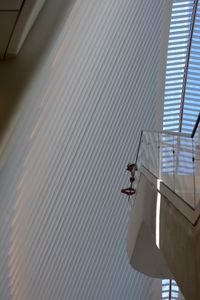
(164, 227)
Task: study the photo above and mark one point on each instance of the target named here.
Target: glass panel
(154, 154)
(145, 150)
(184, 169)
(197, 166)
(175, 159)
(167, 160)
(150, 152)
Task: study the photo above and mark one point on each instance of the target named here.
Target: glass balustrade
(175, 159)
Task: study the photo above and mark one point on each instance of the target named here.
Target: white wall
(85, 83)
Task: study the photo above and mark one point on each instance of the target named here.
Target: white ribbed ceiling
(63, 222)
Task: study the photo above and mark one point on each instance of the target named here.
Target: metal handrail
(170, 133)
(167, 132)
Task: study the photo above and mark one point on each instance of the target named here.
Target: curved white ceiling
(63, 222)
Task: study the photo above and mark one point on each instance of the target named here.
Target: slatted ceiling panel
(192, 95)
(65, 228)
(175, 67)
(174, 290)
(176, 59)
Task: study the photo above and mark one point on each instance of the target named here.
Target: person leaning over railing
(132, 168)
